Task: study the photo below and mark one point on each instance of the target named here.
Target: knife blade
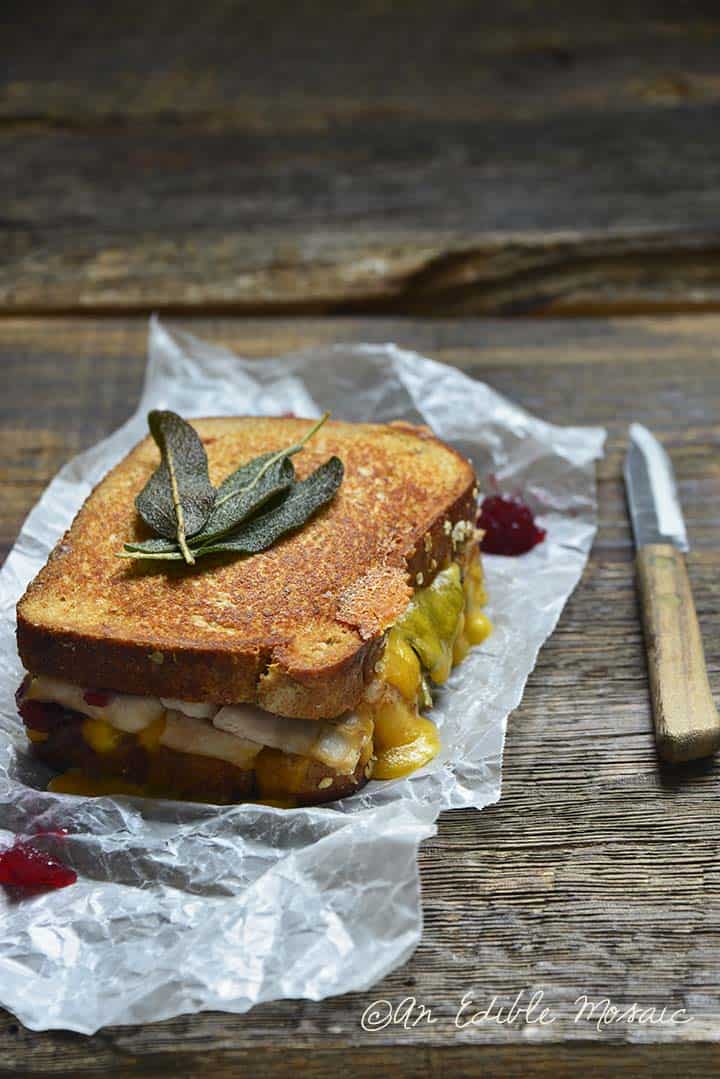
(687, 725)
(652, 495)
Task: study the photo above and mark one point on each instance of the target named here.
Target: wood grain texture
(687, 725)
(582, 879)
(503, 158)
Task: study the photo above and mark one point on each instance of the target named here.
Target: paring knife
(687, 725)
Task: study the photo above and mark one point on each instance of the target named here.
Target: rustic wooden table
(414, 160)
(597, 872)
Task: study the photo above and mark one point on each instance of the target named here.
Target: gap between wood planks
(300, 310)
(561, 275)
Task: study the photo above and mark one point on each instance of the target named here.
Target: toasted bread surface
(295, 628)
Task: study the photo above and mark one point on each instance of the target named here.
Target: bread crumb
(419, 578)
(325, 783)
(461, 531)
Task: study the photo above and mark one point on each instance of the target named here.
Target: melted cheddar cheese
(100, 736)
(435, 633)
(149, 737)
(76, 782)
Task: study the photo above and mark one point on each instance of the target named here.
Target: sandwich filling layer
(254, 755)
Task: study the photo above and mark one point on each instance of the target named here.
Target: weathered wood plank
(378, 1061)
(268, 69)
(456, 159)
(597, 871)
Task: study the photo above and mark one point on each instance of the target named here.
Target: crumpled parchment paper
(182, 908)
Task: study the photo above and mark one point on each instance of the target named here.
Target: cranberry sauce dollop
(509, 526)
(25, 866)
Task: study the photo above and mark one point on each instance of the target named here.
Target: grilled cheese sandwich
(381, 595)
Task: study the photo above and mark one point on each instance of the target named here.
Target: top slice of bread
(295, 628)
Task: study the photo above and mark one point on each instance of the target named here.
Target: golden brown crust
(374, 601)
(285, 628)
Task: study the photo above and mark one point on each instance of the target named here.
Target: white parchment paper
(182, 908)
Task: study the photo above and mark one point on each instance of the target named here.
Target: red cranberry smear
(24, 866)
(96, 698)
(509, 526)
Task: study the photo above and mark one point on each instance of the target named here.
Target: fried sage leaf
(249, 487)
(298, 506)
(245, 492)
(251, 497)
(259, 533)
(178, 498)
(152, 547)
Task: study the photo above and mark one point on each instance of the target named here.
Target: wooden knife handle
(687, 725)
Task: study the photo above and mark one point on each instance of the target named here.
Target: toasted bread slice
(295, 628)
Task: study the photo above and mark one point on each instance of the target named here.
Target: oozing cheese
(436, 632)
(400, 760)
